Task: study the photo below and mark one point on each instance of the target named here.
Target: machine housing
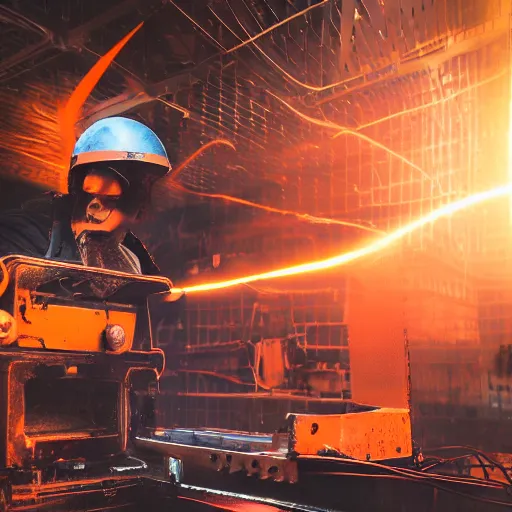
(78, 375)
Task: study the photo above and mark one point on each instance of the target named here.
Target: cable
(439, 462)
(414, 475)
(477, 453)
(403, 471)
(425, 482)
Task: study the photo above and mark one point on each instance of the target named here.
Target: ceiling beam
(62, 40)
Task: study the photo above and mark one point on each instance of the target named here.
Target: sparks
(350, 256)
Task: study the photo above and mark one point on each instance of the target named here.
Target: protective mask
(100, 220)
(98, 204)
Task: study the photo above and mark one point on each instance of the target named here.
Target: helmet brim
(92, 157)
(128, 170)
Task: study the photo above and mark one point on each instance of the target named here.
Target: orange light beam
(305, 85)
(350, 256)
(70, 113)
(175, 106)
(277, 66)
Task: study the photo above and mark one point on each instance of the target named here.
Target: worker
(114, 166)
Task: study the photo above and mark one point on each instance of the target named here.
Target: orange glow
(384, 434)
(50, 326)
(367, 250)
(348, 131)
(70, 112)
(97, 184)
(510, 152)
(425, 105)
(46, 161)
(198, 25)
(4, 282)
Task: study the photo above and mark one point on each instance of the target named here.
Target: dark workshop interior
(356, 150)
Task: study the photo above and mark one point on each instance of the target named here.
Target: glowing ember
(350, 256)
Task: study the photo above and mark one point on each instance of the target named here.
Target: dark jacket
(42, 228)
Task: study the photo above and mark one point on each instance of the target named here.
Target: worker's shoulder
(41, 209)
(135, 246)
(29, 224)
(43, 205)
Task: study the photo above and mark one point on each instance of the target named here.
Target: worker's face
(100, 205)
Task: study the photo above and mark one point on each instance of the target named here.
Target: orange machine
(77, 367)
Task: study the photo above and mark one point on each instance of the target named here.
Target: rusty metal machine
(79, 374)
(353, 461)
(77, 370)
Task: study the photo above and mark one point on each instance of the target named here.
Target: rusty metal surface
(69, 405)
(382, 434)
(265, 466)
(226, 440)
(238, 502)
(160, 284)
